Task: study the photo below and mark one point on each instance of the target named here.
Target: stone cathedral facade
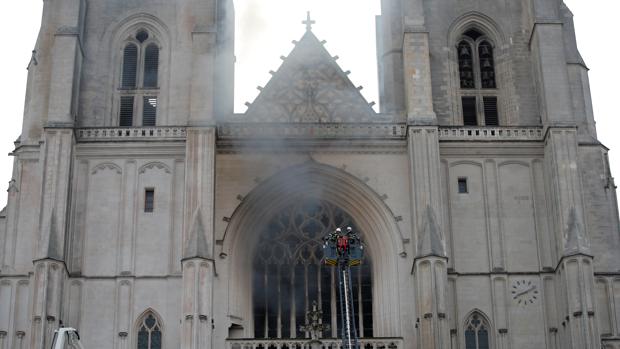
(145, 213)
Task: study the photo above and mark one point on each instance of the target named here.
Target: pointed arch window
(288, 275)
(139, 82)
(149, 332)
(477, 333)
(478, 87)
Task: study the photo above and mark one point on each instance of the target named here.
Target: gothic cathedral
(144, 212)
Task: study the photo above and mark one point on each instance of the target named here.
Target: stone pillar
(197, 328)
(575, 271)
(579, 324)
(417, 71)
(66, 63)
(430, 266)
(49, 278)
(203, 77)
(431, 279)
(50, 270)
(424, 165)
(197, 263)
(547, 45)
(417, 65)
(390, 57)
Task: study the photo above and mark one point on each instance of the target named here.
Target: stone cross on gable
(308, 22)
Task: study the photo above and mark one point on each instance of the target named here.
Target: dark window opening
(149, 200)
(470, 117)
(476, 333)
(487, 65)
(139, 79)
(466, 65)
(149, 111)
(149, 335)
(151, 66)
(142, 35)
(126, 111)
(491, 117)
(473, 34)
(130, 66)
(462, 184)
(288, 275)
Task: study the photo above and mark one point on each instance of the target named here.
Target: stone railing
(465, 133)
(112, 134)
(332, 343)
(311, 131)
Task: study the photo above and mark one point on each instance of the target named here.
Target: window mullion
(140, 65)
(293, 305)
(477, 73)
(480, 108)
(279, 281)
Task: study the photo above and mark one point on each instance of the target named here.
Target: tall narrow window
(490, 111)
(130, 66)
(149, 200)
(470, 116)
(126, 112)
(149, 110)
(139, 81)
(151, 65)
(288, 275)
(477, 333)
(478, 86)
(462, 184)
(149, 333)
(487, 65)
(466, 65)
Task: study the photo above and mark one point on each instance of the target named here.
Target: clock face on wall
(524, 292)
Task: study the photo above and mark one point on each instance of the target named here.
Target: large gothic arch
(317, 181)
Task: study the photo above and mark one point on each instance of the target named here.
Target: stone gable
(310, 87)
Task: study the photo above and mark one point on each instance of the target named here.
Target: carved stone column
(575, 271)
(430, 266)
(49, 277)
(198, 266)
(430, 272)
(417, 71)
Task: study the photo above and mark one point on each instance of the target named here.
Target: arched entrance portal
(334, 188)
(288, 276)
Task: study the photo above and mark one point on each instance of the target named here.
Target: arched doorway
(313, 181)
(288, 276)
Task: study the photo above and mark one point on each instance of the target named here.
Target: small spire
(308, 22)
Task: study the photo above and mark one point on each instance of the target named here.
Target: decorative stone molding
(155, 165)
(107, 165)
(119, 134)
(494, 134)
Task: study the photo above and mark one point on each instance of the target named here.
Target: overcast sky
(265, 29)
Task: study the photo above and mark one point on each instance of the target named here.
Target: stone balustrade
(469, 133)
(331, 343)
(311, 131)
(111, 134)
(317, 131)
